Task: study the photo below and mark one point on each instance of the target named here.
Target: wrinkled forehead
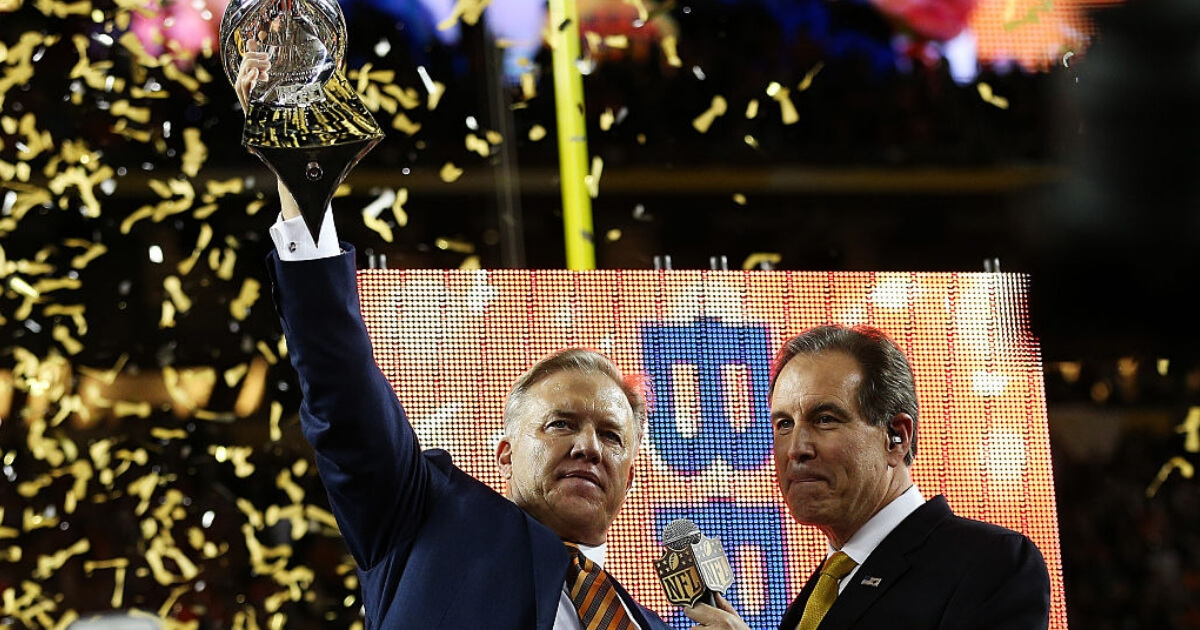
(815, 376)
(583, 394)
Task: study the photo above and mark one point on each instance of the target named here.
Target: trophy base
(312, 174)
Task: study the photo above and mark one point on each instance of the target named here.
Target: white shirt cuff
(293, 241)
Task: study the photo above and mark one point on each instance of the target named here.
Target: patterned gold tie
(593, 594)
(836, 567)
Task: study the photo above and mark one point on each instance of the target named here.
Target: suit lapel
(635, 610)
(884, 566)
(549, 571)
(792, 617)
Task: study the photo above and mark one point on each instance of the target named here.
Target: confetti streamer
(702, 122)
(985, 92)
(450, 173)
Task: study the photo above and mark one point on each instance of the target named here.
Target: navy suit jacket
(939, 570)
(435, 548)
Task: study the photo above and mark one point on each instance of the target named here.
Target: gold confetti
(450, 172)
(401, 123)
(478, 145)
(266, 352)
(985, 92)
(225, 269)
(670, 50)
(755, 260)
(94, 251)
(63, 336)
(705, 120)
(806, 82)
(398, 207)
(377, 224)
(787, 110)
(1185, 468)
(751, 141)
(528, 86)
(468, 10)
(592, 179)
(606, 119)
(619, 42)
(122, 409)
(240, 306)
(470, 263)
(195, 152)
(454, 245)
(1190, 428)
(739, 199)
(274, 432)
(118, 565)
(435, 95)
(613, 235)
(537, 132)
(47, 565)
(160, 433)
(174, 289)
(752, 109)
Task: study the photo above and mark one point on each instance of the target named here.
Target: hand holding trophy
(303, 119)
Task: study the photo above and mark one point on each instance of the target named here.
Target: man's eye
(783, 424)
(557, 424)
(825, 420)
(613, 436)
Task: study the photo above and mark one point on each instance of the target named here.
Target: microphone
(693, 566)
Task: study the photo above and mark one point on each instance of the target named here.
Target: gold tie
(593, 594)
(826, 590)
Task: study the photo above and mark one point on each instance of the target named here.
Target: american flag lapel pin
(871, 581)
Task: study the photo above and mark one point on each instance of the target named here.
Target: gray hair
(584, 361)
(887, 387)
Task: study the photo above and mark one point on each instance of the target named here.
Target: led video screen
(452, 342)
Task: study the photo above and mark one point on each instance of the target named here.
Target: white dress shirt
(293, 241)
(868, 537)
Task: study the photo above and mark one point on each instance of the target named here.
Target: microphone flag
(693, 566)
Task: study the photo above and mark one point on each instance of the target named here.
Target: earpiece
(894, 439)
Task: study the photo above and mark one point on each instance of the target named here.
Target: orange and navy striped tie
(593, 594)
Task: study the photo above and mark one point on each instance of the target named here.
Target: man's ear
(504, 457)
(900, 436)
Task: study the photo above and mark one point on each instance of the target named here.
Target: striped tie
(593, 594)
(836, 567)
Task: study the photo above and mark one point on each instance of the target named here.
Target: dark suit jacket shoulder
(435, 547)
(937, 570)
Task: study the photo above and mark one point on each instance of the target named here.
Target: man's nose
(586, 444)
(800, 446)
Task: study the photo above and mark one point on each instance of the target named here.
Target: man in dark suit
(844, 413)
(436, 548)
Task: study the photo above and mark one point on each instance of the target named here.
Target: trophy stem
(312, 174)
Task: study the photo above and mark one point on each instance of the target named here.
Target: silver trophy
(305, 122)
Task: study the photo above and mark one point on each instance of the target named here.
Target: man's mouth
(585, 476)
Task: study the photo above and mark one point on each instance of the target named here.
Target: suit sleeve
(365, 449)
(1008, 589)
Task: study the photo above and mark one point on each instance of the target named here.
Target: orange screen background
(452, 342)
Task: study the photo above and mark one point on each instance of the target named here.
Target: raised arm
(365, 449)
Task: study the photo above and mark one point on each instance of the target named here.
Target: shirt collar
(868, 537)
(596, 554)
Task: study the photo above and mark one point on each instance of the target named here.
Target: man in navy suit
(844, 414)
(436, 548)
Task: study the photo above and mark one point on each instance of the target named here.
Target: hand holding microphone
(693, 566)
(694, 570)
